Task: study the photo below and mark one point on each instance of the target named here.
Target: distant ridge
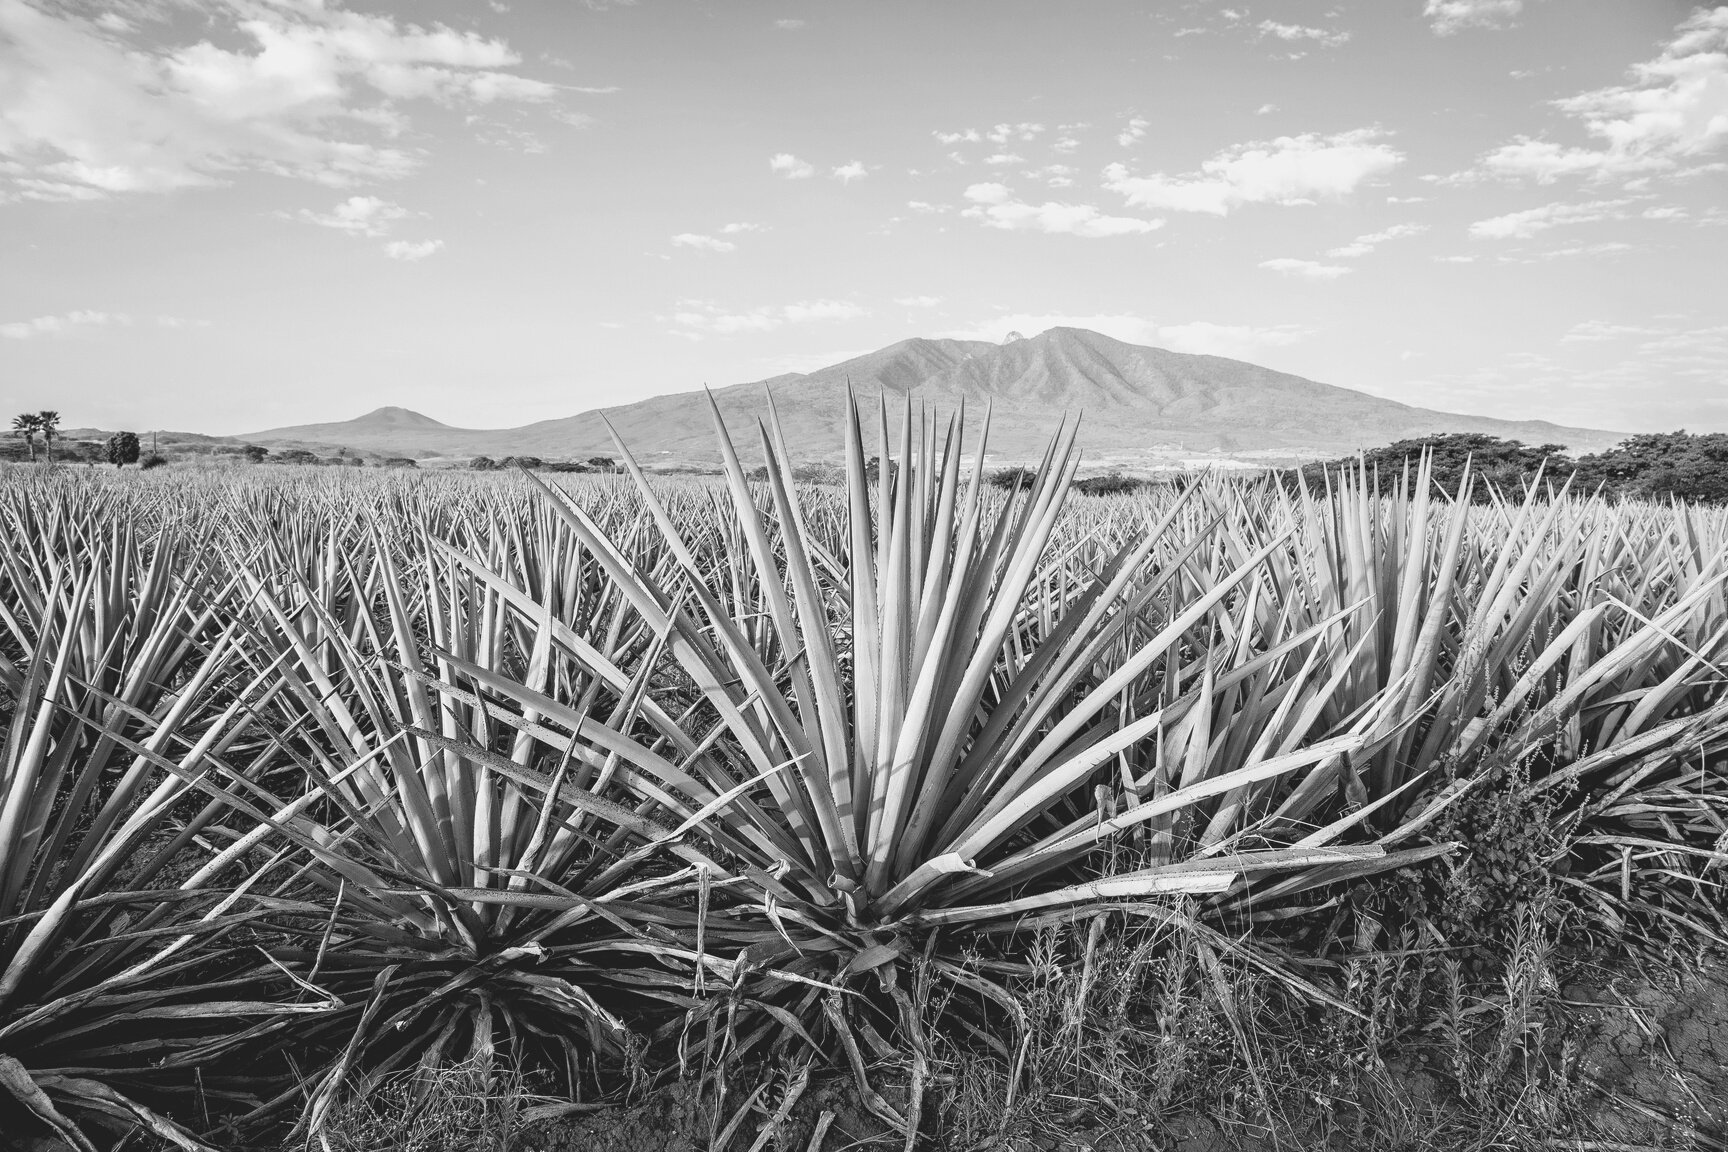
(1138, 405)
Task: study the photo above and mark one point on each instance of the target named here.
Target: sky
(230, 215)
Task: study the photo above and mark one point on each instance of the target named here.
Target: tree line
(1650, 466)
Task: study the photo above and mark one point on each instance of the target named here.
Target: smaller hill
(388, 427)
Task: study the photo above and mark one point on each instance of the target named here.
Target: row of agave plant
(308, 782)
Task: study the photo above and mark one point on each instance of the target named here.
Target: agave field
(313, 778)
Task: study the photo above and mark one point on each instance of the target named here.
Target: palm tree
(48, 421)
(27, 424)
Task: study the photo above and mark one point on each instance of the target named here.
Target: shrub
(255, 453)
(483, 464)
(123, 449)
(398, 462)
(154, 460)
(1110, 484)
(1011, 478)
(529, 462)
(296, 456)
(567, 466)
(1662, 466)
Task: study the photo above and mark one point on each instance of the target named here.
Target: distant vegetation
(535, 464)
(1651, 466)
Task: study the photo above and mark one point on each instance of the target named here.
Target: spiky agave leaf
(474, 876)
(945, 772)
(118, 977)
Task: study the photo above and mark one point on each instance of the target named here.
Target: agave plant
(472, 879)
(123, 959)
(940, 720)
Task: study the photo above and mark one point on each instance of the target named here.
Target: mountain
(1137, 405)
(381, 424)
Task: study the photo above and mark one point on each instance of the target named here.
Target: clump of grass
(475, 1105)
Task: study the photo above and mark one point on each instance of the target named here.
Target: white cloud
(925, 207)
(698, 317)
(822, 310)
(742, 226)
(1450, 16)
(68, 324)
(789, 166)
(1365, 244)
(93, 107)
(358, 216)
(1523, 225)
(1003, 133)
(1136, 130)
(789, 25)
(1233, 340)
(1594, 331)
(1265, 109)
(1674, 109)
(995, 206)
(1199, 337)
(918, 301)
(1001, 158)
(1299, 32)
(846, 173)
(1287, 170)
(703, 243)
(1306, 269)
(965, 136)
(180, 322)
(1066, 144)
(412, 249)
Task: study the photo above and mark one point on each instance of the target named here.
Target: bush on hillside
(1506, 465)
(1012, 478)
(1661, 466)
(154, 460)
(1110, 484)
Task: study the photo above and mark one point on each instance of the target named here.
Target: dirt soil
(1655, 1053)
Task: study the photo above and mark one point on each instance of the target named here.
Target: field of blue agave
(311, 778)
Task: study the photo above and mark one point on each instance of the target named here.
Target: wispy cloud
(789, 25)
(787, 165)
(1365, 244)
(66, 324)
(357, 216)
(1305, 269)
(1523, 225)
(1301, 32)
(1288, 170)
(918, 301)
(698, 317)
(1674, 110)
(97, 107)
(703, 243)
(1597, 331)
(412, 249)
(1135, 130)
(1447, 17)
(846, 173)
(996, 206)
